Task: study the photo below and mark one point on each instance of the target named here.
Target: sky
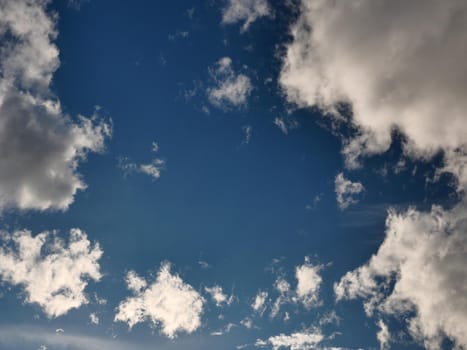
(233, 174)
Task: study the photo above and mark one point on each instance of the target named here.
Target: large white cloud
(400, 64)
(53, 273)
(168, 301)
(419, 269)
(246, 11)
(41, 147)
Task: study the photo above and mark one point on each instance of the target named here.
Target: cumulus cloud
(306, 340)
(169, 302)
(419, 269)
(217, 294)
(305, 293)
(383, 335)
(230, 89)
(398, 64)
(42, 147)
(94, 318)
(259, 304)
(246, 11)
(345, 191)
(53, 273)
(152, 169)
(308, 284)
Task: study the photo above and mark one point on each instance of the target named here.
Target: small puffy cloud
(53, 273)
(217, 294)
(230, 89)
(308, 284)
(396, 65)
(42, 147)
(228, 327)
(306, 340)
(345, 191)
(246, 11)
(259, 304)
(94, 318)
(152, 169)
(247, 323)
(419, 270)
(169, 302)
(286, 124)
(383, 335)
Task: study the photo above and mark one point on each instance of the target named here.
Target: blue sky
(238, 174)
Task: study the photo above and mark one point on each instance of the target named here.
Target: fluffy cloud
(259, 304)
(306, 340)
(230, 89)
(399, 64)
(383, 335)
(217, 294)
(53, 273)
(345, 190)
(246, 11)
(168, 301)
(41, 146)
(308, 284)
(419, 269)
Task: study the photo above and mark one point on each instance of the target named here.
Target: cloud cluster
(306, 340)
(345, 191)
(217, 294)
(168, 301)
(398, 64)
(306, 291)
(41, 147)
(53, 273)
(153, 169)
(230, 89)
(419, 269)
(246, 11)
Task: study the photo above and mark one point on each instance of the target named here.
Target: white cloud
(306, 340)
(152, 169)
(228, 327)
(230, 89)
(259, 304)
(41, 146)
(217, 294)
(286, 124)
(247, 323)
(400, 64)
(383, 335)
(419, 269)
(94, 318)
(168, 302)
(246, 11)
(53, 273)
(309, 283)
(345, 190)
